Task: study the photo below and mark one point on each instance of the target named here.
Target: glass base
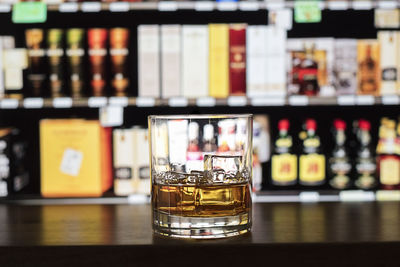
(200, 227)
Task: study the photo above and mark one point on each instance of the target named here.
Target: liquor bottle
(311, 162)
(55, 55)
(209, 144)
(36, 59)
(365, 161)
(368, 70)
(237, 59)
(119, 43)
(283, 160)
(388, 158)
(75, 55)
(194, 157)
(97, 41)
(339, 163)
(308, 73)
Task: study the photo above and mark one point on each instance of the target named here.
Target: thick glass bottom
(200, 227)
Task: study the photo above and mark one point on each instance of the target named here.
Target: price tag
(71, 162)
(111, 116)
(387, 4)
(346, 100)
(178, 102)
(237, 101)
(29, 12)
(248, 6)
(96, 102)
(138, 199)
(167, 6)
(307, 11)
(390, 100)
(4, 8)
(62, 102)
(9, 103)
(34, 102)
(267, 101)
(365, 100)
(275, 5)
(3, 188)
(281, 18)
(145, 102)
(338, 5)
(226, 6)
(309, 196)
(91, 7)
(298, 100)
(119, 101)
(388, 195)
(203, 6)
(362, 5)
(119, 7)
(68, 7)
(206, 102)
(356, 195)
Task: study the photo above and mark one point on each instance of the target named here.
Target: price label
(4, 8)
(338, 5)
(227, 6)
(96, 102)
(138, 199)
(362, 5)
(307, 11)
(204, 6)
(365, 100)
(356, 195)
(388, 195)
(68, 7)
(248, 6)
(309, 196)
(267, 101)
(29, 12)
(145, 102)
(237, 101)
(119, 101)
(62, 102)
(346, 100)
(298, 100)
(119, 7)
(178, 102)
(9, 103)
(111, 116)
(387, 4)
(275, 5)
(206, 102)
(34, 102)
(167, 6)
(390, 100)
(91, 7)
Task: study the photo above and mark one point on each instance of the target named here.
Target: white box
(142, 172)
(195, 60)
(170, 60)
(276, 53)
(388, 41)
(345, 66)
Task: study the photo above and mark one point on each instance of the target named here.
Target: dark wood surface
(313, 234)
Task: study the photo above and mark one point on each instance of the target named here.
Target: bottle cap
(339, 124)
(283, 124)
(364, 125)
(193, 130)
(208, 132)
(311, 124)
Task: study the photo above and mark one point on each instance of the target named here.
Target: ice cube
(230, 164)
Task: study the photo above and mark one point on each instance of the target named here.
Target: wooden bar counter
(283, 234)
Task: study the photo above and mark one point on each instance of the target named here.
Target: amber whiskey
(202, 200)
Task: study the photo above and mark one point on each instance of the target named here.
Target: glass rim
(200, 116)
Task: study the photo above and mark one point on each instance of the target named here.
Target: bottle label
(389, 171)
(284, 168)
(312, 168)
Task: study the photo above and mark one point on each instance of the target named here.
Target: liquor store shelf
(233, 101)
(260, 197)
(208, 6)
(321, 234)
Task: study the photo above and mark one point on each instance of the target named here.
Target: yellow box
(75, 158)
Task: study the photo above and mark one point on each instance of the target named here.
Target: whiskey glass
(201, 170)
